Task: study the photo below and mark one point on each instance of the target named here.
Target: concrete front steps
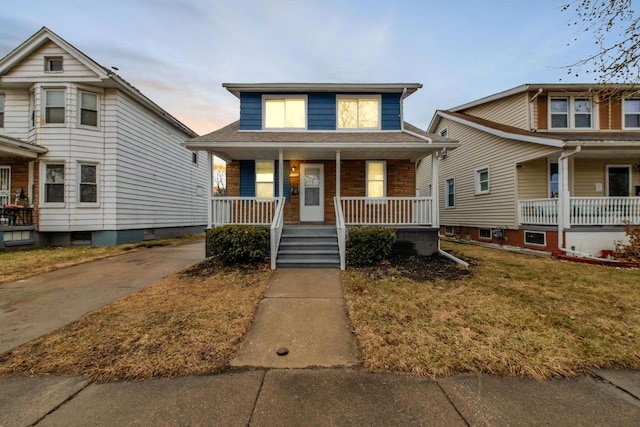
(312, 246)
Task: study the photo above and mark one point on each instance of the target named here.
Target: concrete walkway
(303, 311)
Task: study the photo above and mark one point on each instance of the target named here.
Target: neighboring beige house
(86, 158)
(553, 167)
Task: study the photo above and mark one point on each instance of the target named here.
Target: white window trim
(273, 180)
(483, 237)
(630, 182)
(79, 203)
(44, 106)
(43, 180)
(446, 193)
(477, 173)
(285, 129)
(449, 233)
(544, 234)
(384, 186)
(358, 97)
(571, 122)
(79, 113)
(624, 114)
(444, 132)
(47, 68)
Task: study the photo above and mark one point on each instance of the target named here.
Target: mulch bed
(419, 268)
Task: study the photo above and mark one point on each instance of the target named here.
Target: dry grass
(20, 264)
(188, 323)
(516, 315)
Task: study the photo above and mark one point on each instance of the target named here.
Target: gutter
(402, 129)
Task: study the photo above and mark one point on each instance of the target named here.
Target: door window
(618, 181)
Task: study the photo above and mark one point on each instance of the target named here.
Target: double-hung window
(88, 184)
(88, 109)
(632, 113)
(54, 110)
(1, 110)
(265, 178)
(450, 193)
(376, 178)
(285, 112)
(54, 183)
(568, 112)
(482, 180)
(361, 112)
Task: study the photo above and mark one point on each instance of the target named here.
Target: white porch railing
(386, 210)
(583, 211)
(605, 210)
(342, 233)
(276, 231)
(243, 210)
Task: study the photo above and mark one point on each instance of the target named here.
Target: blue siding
(250, 111)
(247, 178)
(390, 111)
(321, 111)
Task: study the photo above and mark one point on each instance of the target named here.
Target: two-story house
(327, 154)
(86, 158)
(553, 167)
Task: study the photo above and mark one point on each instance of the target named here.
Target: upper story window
(359, 112)
(285, 112)
(482, 180)
(53, 64)
(568, 112)
(631, 113)
(1, 110)
(88, 109)
(450, 193)
(54, 110)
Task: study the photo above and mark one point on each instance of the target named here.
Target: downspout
(531, 119)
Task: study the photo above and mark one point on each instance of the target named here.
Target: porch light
(293, 168)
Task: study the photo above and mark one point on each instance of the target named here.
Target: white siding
(480, 149)
(34, 65)
(16, 113)
(511, 111)
(156, 179)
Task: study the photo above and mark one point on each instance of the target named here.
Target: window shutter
(247, 178)
(286, 187)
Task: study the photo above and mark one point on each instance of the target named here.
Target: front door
(5, 185)
(311, 192)
(619, 180)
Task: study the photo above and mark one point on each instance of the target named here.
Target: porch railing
(342, 233)
(386, 210)
(582, 211)
(243, 210)
(276, 231)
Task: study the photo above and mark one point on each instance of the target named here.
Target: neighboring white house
(553, 167)
(86, 158)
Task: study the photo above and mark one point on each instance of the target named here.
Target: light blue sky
(178, 52)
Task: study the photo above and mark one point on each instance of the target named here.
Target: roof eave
(237, 88)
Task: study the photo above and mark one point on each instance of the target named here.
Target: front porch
(583, 211)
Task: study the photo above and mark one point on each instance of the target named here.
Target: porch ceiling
(12, 147)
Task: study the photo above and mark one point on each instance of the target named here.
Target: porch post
(281, 173)
(564, 217)
(435, 191)
(338, 174)
(210, 190)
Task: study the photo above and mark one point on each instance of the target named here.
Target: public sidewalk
(304, 312)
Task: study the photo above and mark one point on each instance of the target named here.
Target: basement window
(535, 238)
(484, 233)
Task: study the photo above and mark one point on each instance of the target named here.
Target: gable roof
(237, 88)
(105, 75)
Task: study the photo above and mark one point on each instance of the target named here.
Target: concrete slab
(345, 397)
(625, 379)
(40, 304)
(305, 283)
(582, 401)
(213, 400)
(25, 400)
(314, 330)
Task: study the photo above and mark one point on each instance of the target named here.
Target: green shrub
(235, 244)
(369, 245)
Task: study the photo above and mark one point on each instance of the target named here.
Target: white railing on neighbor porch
(342, 233)
(386, 210)
(582, 211)
(243, 210)
(276, 231)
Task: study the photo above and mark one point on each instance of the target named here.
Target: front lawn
(514, 314)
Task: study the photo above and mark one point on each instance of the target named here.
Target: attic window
(53, 64)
